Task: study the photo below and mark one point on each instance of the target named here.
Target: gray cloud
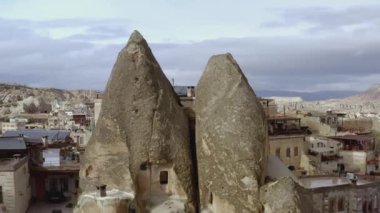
(324, 19)
(29, 58)
(270, 63)
(284, 63)
(100, 32)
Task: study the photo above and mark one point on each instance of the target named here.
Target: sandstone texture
(141, 131)
(282, 196)
(115, 202)
(231, 139)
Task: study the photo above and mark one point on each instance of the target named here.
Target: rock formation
(115, 201)
(231, 139)
(141, 141)
(282, 196)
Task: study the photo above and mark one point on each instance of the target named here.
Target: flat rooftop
(328, 181)
(282, 118)
(354, 137)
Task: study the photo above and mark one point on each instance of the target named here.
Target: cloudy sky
(280, 45)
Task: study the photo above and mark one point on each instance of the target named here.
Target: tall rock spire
(231, 139)
(141, 141)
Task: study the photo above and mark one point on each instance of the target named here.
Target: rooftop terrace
(329, 181)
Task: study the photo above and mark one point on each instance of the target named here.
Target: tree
(31, 108)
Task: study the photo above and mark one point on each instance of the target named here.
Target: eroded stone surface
(141, 126)
(115, 202)
(231, 139)
(282, 196)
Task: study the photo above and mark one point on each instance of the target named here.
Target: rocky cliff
(13, 97)
(141, 141)
(231, 139)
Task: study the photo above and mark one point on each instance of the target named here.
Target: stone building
(10, 126)
(270, 107)
(357, 153)
(80, 137)
(15, 191)
(287, 139)
(338, 194)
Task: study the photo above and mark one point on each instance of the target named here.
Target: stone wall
(282, 143)
(16, 189)
(362, 124)
(354, 161)
(7, 184)
(344, 198)
(22, 188)
(376, 124)
(317, 127)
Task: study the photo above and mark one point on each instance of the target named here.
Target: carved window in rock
(164, 177)
(332, 205)
(288, 152)
(295, 151)
(210, 198)
(1, 194)
(278, 152)
(341, 204)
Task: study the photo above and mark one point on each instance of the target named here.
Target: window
(331, 205)
(164, 176)
(312, 145)
(296, 151)
(53, 185)
(364, 206)
(65, 184)
(1, 194)
(278, 152)
(288, 152)
(341, 204)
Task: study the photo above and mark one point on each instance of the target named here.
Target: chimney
(190, 91)
(17, 156)
(45, 140)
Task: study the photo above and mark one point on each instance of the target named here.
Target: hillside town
(324, 158)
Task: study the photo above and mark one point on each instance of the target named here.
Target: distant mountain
(366, 102)
(307, 96)
(370, 95)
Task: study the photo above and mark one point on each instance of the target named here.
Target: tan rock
(115, 202)
(282, 196)
(141, 141)
(231, 139)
